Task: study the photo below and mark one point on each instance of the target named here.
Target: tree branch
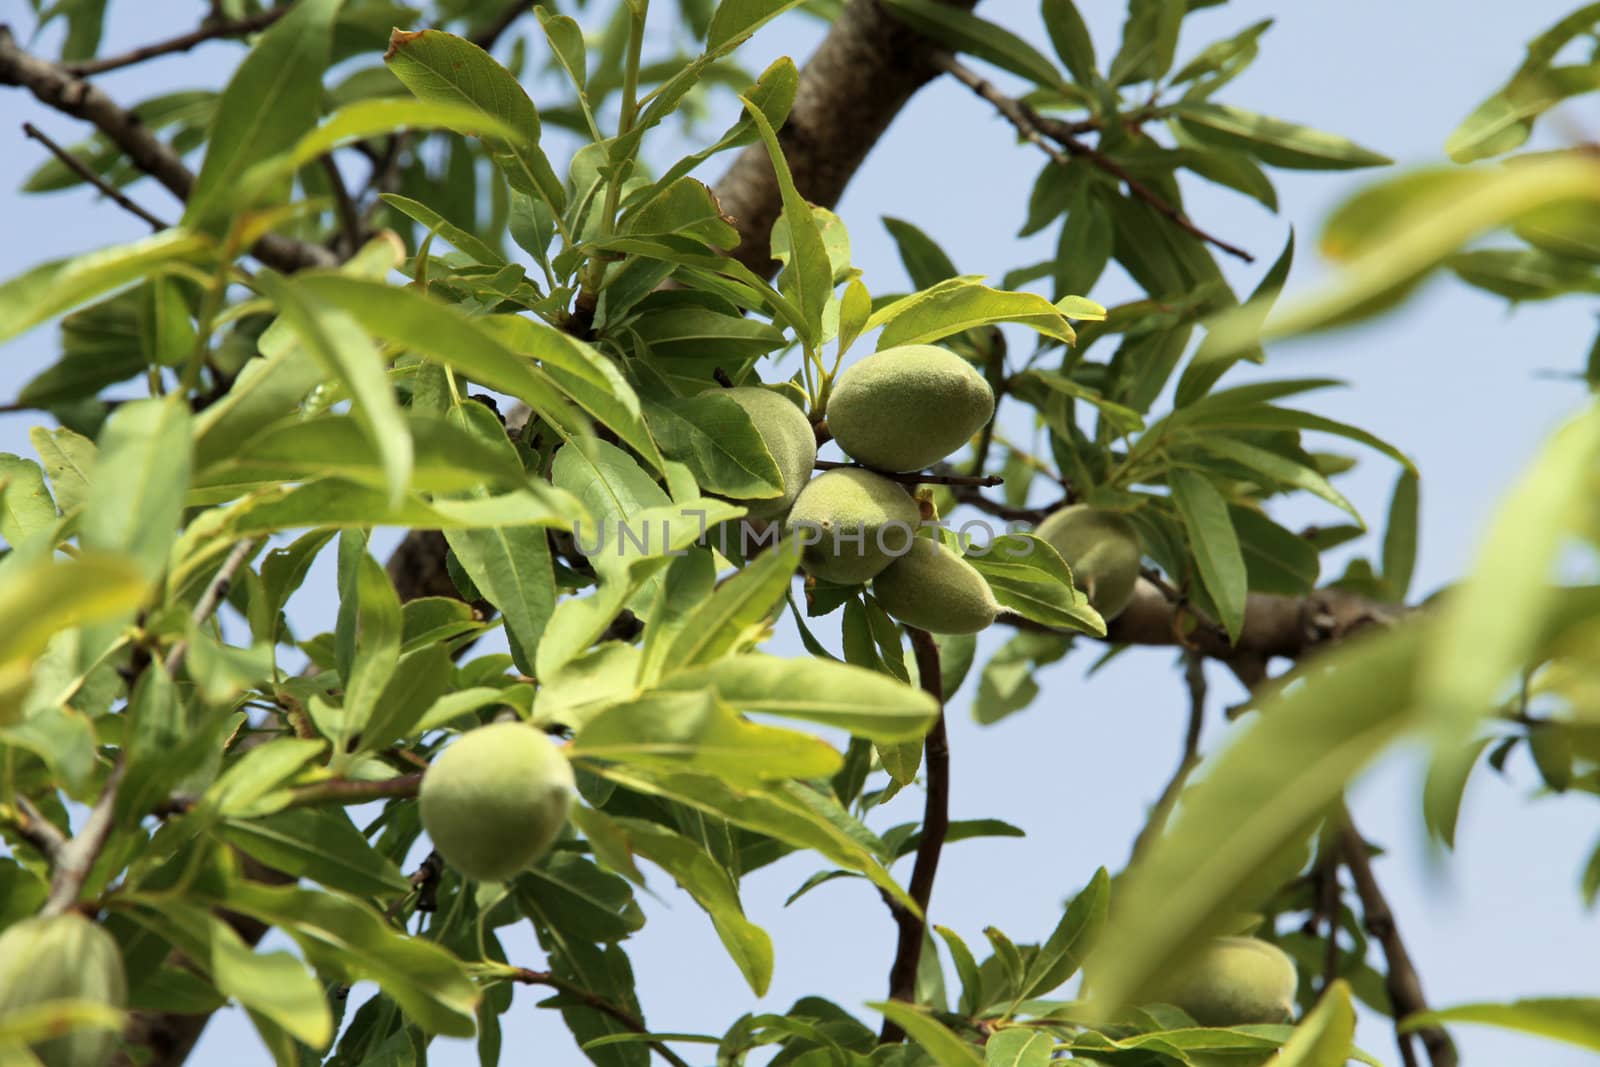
(935, 826)
(1404, 984)
(353, 791)
(81, 169)
(917, 477)
(490, 35)
(209, 31)
(1033, 128)
(600, 1004)
(54, 87)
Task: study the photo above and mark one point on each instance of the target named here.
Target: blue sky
(1454, 380)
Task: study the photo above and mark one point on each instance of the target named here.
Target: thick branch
(1405, 987)
(935, 825)
(54, 87)
(210, 31)
(851, 88)
(1032, 128)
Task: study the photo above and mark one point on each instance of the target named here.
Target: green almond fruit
(852, 524)
(1103, 550)
(788, 435)
(907, 408)
(63, 957)
(496, 800)
(1234, 981)
(933, 589)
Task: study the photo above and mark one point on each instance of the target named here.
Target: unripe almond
(852, 523)
(1234, 981)
(933, 589)
(496, 800)
(63, 957)
(787, 433)
(906, 408)
(1103, 550)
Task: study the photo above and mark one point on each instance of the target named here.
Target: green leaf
(1028, 576)
(270, 102)
(1277, 469)
(963, 31)
(320, 844)
(1245, 821)
(50, 595)
(714, 436)
(1490, 624)
(1069, 35)
(1325, 1037)
(960, 304)
(352, 941)
(51, 288)
(1059, 958)
(572, 895)
(26, 506)
(442, 67)
(735, 20)
(1273, 141)
(1149, 41)
(68, 459)
(686, 207)
(711, 887)
(946, 1048)
(463, 240)
(135, 500)
(253, 784)
(1215, 354)
(1019, 1046)
(1573, 1020)
(1445, 787)
(334, 503)
(807, 278)
(1400, 536)
(339, 342)
(864, 702)
(381, 115)
(739, 612)
(1215, 545)
(367, 638)
(1504, 121)
(924, 260)
(699, 733)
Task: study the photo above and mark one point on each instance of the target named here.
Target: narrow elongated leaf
(736, 20)
(808, 276)
(864, 702)
(1069, 34)
(737, 613)
(1573, 1020)
(1504, 121)
(341, 345)
(945, 1047)
(960, 304)
(1324, 1038)
(320, 844)
(270, 103)
(51, 288)
(1215, 545)
(1400, 536)
(1059, 958)
(716, 439)
(367, 638)
(697, 732)
(1274, 141)
(963, 31)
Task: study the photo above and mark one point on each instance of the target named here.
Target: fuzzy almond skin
(787, 434)
(852, 523)
(906, 408)
(936, 590)
(63, 957)
(1235, 981)
(1103, 550)
(496, 800)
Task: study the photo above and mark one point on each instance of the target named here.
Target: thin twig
(1404, 984)
(917, 477)
(36, 830)
(182, 43)
(1028, 124)
(600, 1004)
(350, 228)
(1327, 914)
(935, 826)
(221, 582)
(1194, 674)
(55, 87)
(81, 169)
